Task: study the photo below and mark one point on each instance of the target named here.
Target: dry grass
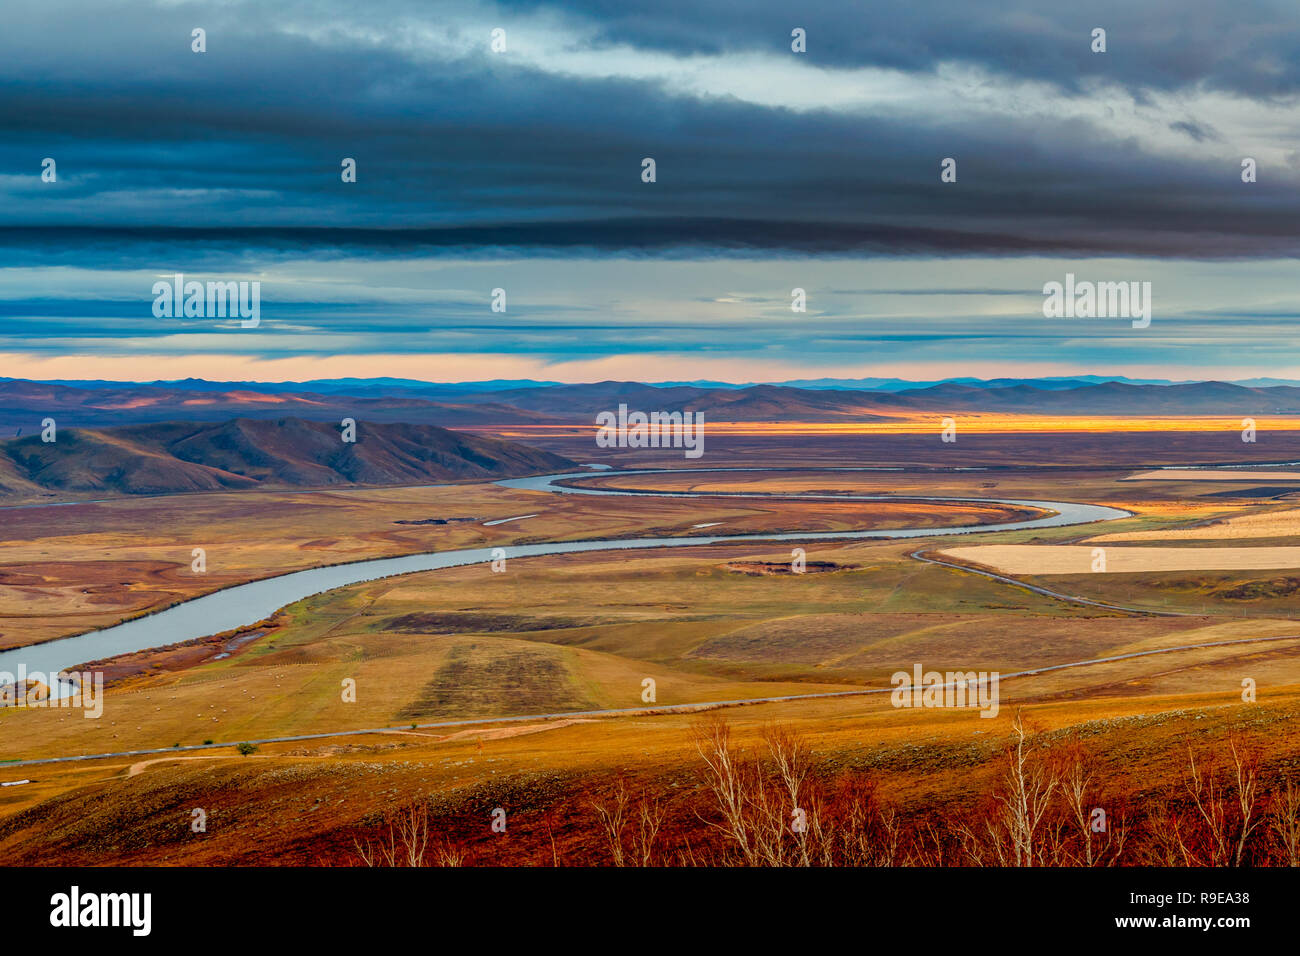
(882, 787)
(1214, 474)
(1080, 559)
(70, 569)
(1268, 524)
(408, 843)
(1047, 807)
(876, 786)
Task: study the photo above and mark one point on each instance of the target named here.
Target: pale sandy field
(1079, 559)
(1274, 524)
(1213, 474)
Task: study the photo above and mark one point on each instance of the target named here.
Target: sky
(521, 169)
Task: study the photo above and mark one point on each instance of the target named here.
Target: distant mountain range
(398, 386)
(172, 457)
(24, 404)
(777, 403)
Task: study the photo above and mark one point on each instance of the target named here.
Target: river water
(248, 603)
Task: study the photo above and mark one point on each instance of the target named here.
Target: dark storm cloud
(672, 237)
(235, 153)
(1244, 46)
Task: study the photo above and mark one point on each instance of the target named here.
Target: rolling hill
(24, 404)
(175, 457)
(785, 403)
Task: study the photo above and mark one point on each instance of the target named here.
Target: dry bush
(407, 843)
(1015, 828)
(1284, 818)
(646, 819)
(769, 811)
(766, 804)
(1212, 820)
(1028, 787)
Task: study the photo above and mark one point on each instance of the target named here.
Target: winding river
(249, 603)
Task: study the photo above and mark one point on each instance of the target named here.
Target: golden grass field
(1083, 559)
(102, 562)
(1214, 474)
(1262, 525)
(570, 633)
(315, 803)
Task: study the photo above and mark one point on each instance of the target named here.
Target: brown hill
(755, 403)
(288, 452)
(787, 403)
(23, 404)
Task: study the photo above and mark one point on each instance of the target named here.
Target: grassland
(1260, 525)
(1209, 474)
(571, 633)
(75, 568)
(1081, 559)
(320, 804)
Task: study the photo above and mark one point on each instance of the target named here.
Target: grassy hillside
(174, 457)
